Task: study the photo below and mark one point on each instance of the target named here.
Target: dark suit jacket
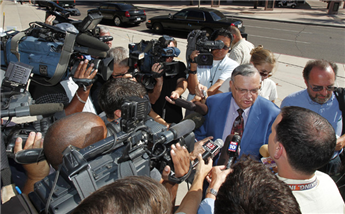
(258, 127)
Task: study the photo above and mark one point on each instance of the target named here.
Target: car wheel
(293, 6)
(157, 28)
(117, 21)
(209, 31)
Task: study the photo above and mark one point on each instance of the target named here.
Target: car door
(195, 20)
(177, 21)
(106, 11)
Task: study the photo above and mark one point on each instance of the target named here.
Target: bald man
(79, 129)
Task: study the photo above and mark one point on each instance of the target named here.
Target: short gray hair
(244, 70)
(103, 29)
(120, 55)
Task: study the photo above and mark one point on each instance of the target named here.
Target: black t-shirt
(169, 112)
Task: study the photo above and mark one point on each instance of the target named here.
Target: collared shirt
(329, 110)
(241, 51)
(232, 116)
(209, 75)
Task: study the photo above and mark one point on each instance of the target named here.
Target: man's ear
(278, 151)
(117, 113)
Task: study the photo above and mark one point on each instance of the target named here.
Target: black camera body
(144, 54)
(204, 46)
(140, 145)
(197, 40)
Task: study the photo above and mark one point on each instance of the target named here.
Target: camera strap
(215, 71)
(173, 179)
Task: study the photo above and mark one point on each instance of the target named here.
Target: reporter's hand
(217, 176)
(50, 19)
(174, 95)
(340, 143)
(199, 91)
(202, 169)
(34, 171)
(180, 158)
(198, 149)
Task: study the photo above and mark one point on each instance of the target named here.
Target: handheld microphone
(266, 159)
(211, 150)
(192, 106)
(234, 144)
(33, 110)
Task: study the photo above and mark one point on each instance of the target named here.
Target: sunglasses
(320, 88)
(226, 48)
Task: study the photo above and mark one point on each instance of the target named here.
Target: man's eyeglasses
(320, 88)
(245, 91)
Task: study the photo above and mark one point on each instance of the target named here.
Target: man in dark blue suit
(258, 113)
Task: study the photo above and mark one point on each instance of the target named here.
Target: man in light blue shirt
(319, 77)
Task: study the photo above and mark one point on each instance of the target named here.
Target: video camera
(144, 54)
(55, 51)
(197, 40)
(17, 102)
(141, 145)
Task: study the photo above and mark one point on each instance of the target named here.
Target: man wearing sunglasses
(319, 77)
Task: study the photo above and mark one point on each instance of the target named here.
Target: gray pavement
(288, 72)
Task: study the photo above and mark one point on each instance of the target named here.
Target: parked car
(189, 19)
(64, 4)
(291, 4)
(121, 13)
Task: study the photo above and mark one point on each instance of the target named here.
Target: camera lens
(204, 58)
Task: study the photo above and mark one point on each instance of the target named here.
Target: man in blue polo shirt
(319, 77)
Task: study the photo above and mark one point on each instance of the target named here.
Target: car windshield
(126, 6)
(216, 15)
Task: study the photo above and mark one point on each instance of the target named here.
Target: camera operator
(104, 31)
(212, 76)
(171, 86)
(80, 130)
(74, 97)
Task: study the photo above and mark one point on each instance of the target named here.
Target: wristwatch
(212, 191)
(191, 72)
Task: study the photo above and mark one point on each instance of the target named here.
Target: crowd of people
(305, 136)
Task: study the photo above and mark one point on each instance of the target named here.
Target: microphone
(266, 159)
(211, 150)
(192, 106)
(91, 51)
(234, 145)
(264, 151)
(91, 42)
(197, 118)
(182, 128)
(33, 110)
(29, 156)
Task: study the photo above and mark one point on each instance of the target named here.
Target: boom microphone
(192, 106)
(234, 144)
(33, 110)
(91, 51)
(182, 128)
(91, 42)
(211, 150)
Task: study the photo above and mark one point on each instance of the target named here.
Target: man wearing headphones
(212, 76)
